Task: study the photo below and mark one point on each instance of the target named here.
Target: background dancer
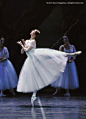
(70, 78)
(8, 76)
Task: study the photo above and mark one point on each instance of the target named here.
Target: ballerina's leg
(33, 98)
(67, 93)
(57, 90)
(74, 54)
(1, 94)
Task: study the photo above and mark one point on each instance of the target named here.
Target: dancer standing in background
(70, 78)
(41, 67)
(8, 76)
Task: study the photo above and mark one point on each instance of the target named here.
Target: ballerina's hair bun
(37, 33)
(65, 37)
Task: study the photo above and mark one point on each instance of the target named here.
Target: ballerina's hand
(70, 61)
(19, 42)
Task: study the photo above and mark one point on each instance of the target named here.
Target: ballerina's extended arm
(25, 49)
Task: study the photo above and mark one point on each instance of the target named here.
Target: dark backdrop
(19, 17)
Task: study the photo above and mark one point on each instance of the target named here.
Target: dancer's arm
(5, 56)
(4, 59)
(22, 51)
(25, 49)
(1, 58)
(61, 48)
(73, 58)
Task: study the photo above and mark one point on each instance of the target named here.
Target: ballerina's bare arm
(22, 51)
(74, 57)
(20, 43)
(1, 58)
(25, 49)
(4, 58)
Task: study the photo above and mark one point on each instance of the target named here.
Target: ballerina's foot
(2, 95)
(67, 94)
(32, 100)
(54, 93)
(75, 53)
(78, 52)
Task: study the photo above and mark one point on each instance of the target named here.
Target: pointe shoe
(78, 53)
(2, 95)
(55, 92)
(32, 100)
(67, 94)
(74, 54)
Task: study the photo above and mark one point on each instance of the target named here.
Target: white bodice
(32, 44)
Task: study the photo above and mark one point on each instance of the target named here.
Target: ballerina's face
(32, 33)
(1, 41)
(65, 39)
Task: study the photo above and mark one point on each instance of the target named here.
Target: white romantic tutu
(8, 76)
(41, 68)
(68, 79)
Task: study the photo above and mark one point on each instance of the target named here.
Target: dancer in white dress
(8, 76)
(41, 67)
(70, 78)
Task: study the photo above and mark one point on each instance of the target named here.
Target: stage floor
(46, 107)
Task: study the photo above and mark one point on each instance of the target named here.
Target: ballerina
(8, 76)
(70, 78)
(41, 67)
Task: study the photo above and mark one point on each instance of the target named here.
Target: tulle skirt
(68, 79)
(41, 69)
(8, 76)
